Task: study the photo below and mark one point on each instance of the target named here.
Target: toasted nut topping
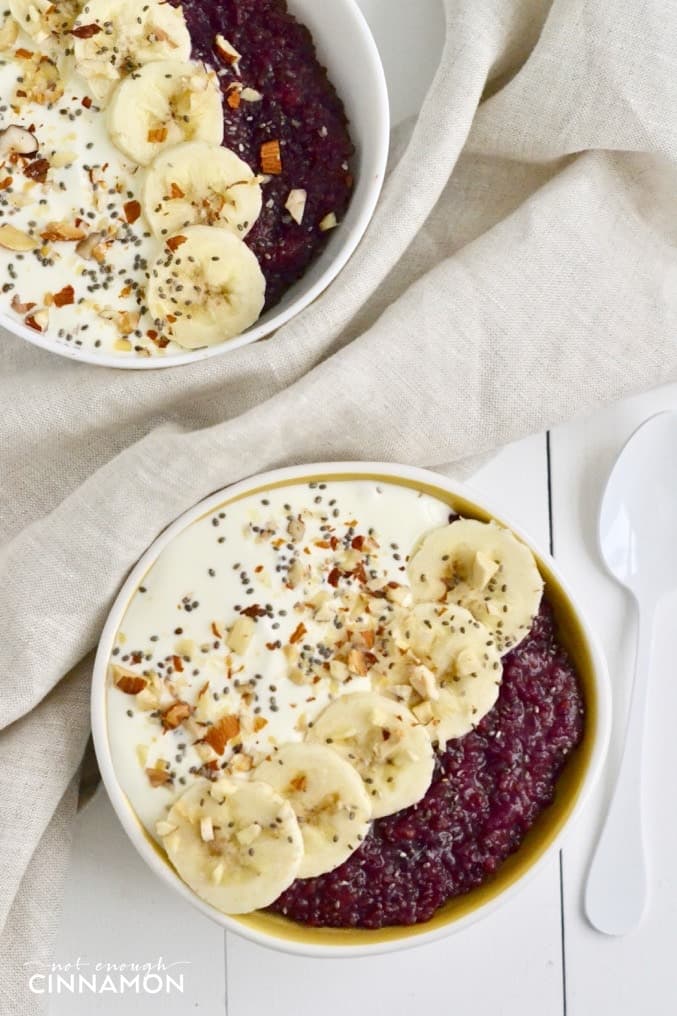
(127, 681)
(62, 231)
(218, 735)
(158, 777)
(271, 158)
(15, 239)
(329, 222)
(17, 139)
(228, 53)
(296, 204)
(64, 297)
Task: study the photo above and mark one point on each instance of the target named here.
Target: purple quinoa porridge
(300, 109)
(488, 789)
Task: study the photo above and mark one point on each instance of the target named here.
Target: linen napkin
(521, 268)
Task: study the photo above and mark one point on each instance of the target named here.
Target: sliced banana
(480, 566)
(115, 37)
(199, 183)
(328, 798)
(45, 19)
(455, 668)
(384, 741)
(164, 104)
(237, 844)
(205, 287)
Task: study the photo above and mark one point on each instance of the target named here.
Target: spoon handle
(616, 891)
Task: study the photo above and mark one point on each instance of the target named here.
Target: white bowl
(573, 787)
(346, 47)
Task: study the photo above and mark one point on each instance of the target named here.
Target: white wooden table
(537, 956)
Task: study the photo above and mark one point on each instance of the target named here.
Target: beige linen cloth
(521, 268)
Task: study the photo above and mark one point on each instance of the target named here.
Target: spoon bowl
(637, 541)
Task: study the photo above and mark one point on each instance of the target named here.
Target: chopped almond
(218, 735)
(259, 724)
(227, 52)
(19, 307)
(176, 192)
(233, 98)
(299, 783)
(37, 170)
(174, 715)
(132, 210)
(271, 158)
(38, 321)
(64, 297)
(329, 222)
(158, 777)
(65, 231)
(357, 662)
(16, 239)
(298, 633)
(157, 135)
(296, 204)
(127, 681)
(176, 241)
(86, 31)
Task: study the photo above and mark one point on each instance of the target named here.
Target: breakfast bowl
(166, 199)
(316, 732)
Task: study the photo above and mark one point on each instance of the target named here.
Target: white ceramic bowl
(346, 47)
(542, 840)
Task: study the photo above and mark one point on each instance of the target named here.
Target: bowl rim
(349, 244)
(416, 935)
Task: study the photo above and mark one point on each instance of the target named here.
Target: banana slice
(115, 37)
(164, 104)
(390, 749)
(45, 19)
(484, 568)
(205, 287)
(201, 183)
(456, 668)
(329, 799)
(237, 844)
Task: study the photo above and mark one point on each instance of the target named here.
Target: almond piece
(218, 735)
(15, 239)
(19, 307)
(357, 662)
(58, 231)
(8, 33)
(19, 140)
(127, 681)
(158, 777)
(132, 210)
(175, 241)
(174, 715)
(240, 635)
(38, 321)
(296, 204)
(329, 222)
(271, 158)
(64, 297)
(228, 53)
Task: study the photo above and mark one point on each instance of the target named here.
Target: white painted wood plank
(506, 966)
(116, 911)
(634, 974)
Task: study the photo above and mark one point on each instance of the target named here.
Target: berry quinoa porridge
(167, 171)
(300, 109)
(339, 702)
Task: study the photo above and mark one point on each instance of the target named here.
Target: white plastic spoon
(638, 539)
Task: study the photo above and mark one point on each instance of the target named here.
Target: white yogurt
(94, 186)
(236, 558)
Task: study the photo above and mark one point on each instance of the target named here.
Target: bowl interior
(347, 49)
(276, 930)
